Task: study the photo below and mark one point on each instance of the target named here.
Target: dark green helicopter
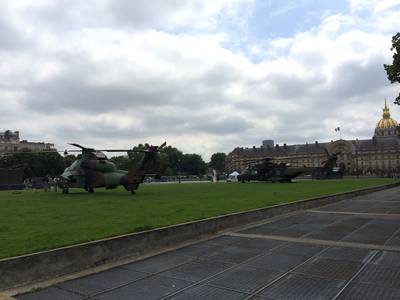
(329, 168)
(93, 170)
(268, 170)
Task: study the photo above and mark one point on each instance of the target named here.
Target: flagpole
(337, 129)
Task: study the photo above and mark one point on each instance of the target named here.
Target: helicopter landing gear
(65, 191)
(90, 190)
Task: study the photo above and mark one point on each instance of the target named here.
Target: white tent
(233, 176)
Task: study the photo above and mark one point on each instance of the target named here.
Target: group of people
(47, 182)
(50, 183)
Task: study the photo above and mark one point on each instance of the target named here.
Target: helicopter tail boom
(137, 172)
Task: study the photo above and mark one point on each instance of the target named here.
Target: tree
(69, 159)
(170, 161)
(218, 162)
(125, 162)
(193, 164)
(121, 162)
(34, 164)
(174, 157)
(393, 70)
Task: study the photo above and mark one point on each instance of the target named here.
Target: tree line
(170, 161)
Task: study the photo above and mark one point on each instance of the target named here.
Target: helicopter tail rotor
(137, 172)
(155, 149)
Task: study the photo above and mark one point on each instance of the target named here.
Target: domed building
(386, 127)
(377, 156)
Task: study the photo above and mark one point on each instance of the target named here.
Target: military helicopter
(93, 170)
(268, 170)
(329, 169)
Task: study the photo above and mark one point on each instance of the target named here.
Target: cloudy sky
(204, 75)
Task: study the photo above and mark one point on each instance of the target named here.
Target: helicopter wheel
(90, 190)
(65, 191)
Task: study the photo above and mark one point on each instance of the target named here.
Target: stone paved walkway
(345, 250)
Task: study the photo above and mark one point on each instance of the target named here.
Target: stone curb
(37, 267)
(4, 297)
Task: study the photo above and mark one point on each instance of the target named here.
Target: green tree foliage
(179, 163)
(193, 164)
(170, 161)
(121, 162)
(174, 160)
(218, 162)
(393, 70)
(34, 164)
(124, 162)
(69, 159)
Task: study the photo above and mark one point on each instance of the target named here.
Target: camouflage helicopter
(329, 169)
(93, 170)
(268, 170)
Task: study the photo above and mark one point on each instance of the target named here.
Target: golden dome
(386, 121)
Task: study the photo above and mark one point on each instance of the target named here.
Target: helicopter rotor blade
(150, 149)
(116, 150)
(78, 146)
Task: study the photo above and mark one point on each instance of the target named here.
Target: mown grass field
(32, 221)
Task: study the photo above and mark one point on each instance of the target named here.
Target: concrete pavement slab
(207, 292)
(196, 270)
(330, 268)
(154, 287)
(361, 291)
(245, 278)
(51, 294)
(94, 284)
(157, 263)
(299, 286)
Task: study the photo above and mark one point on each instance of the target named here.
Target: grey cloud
(143, 13)
(68, 15)
(10, 38)
(358, 78)
(75, 88)
(224, 125)
(75, 93)
(192, 122)
(292, 86)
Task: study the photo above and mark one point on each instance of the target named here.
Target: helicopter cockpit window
(99, 155)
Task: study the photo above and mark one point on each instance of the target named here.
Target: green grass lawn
(31, 221)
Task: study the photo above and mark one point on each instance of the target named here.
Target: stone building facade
(10, 142)
(379, 155)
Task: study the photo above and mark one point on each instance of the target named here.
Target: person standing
(46, 183)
